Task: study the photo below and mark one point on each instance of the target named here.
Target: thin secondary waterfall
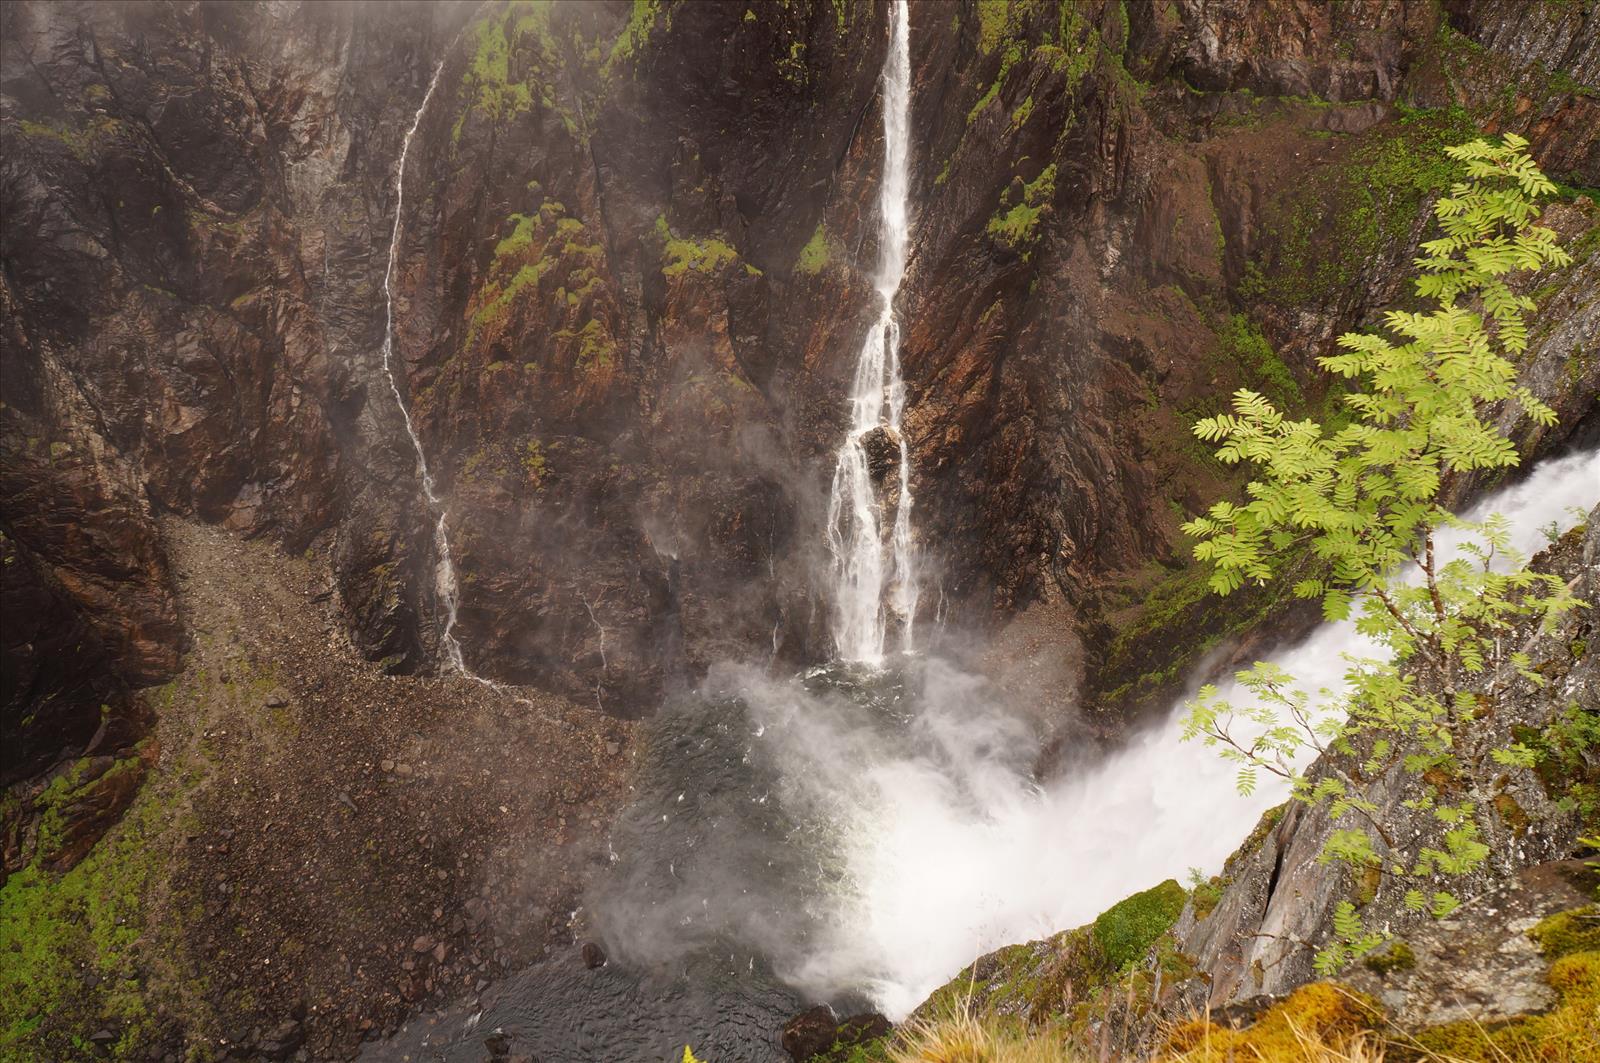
(874, 578)
(445, 572)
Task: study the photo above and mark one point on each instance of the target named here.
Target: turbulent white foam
(874, 579)
(953, 851)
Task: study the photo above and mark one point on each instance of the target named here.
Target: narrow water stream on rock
(445, 583)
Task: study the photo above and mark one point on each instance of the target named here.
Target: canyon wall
(631, 280)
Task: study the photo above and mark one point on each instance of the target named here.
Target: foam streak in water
(873, 574)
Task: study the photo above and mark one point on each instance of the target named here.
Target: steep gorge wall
(1128, 211)
(630, 287)
(613, 351)
(194, 201)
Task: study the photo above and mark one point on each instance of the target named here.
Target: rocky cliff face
(630, 280)
(194, 199)
(1279, 897)
(629, 286)
(1131, 210)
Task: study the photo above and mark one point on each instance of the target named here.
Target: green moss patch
(1244, 344)
(1317, 1013)
(1565, 933)
(1330, 227)
(515, 64)
(816, 254)
(1072, 981)
(1566, 1032)
(1397, 957)
(1015, 225)
(69, 963)
(1128, 928)
(680, 255)
(636, 34)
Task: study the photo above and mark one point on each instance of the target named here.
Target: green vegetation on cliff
(1016, 225)
(680, 255)
(1128, 928)
(1067, 980)
(1330, 230)
(70, 967)
(641, 23)
(1364, 496)
(543, 252)
(816, 254)
(515, 64)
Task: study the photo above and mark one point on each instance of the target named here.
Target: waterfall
(951, 863)
(875, 583)
(445, 572)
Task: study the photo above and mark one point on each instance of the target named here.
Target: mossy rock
(1397, 957)
(1566, 1032)
(1565, 933)
(1322, 1011)
(1127, 929)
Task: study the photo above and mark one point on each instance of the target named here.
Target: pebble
(613, 748)
(423, 944)
(387, 765)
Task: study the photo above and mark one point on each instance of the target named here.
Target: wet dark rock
(810, 1033)
(867, 1026)
(882, 448)
(662, 396)
(593, 955)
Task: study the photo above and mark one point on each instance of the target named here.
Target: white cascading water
(954, 854)
(445, 571)
(874, 580)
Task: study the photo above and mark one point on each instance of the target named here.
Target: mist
(865, 832)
